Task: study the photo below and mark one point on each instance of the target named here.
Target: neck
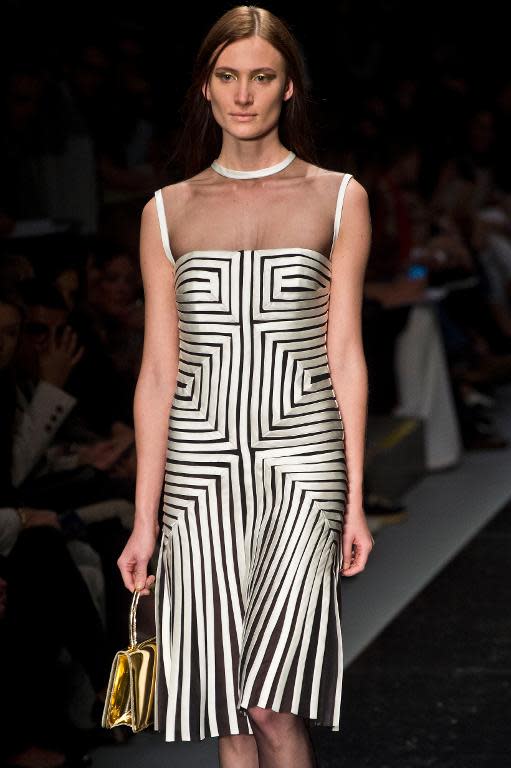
(249, 155)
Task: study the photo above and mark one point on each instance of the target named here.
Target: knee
(260, 717)
(274, 726)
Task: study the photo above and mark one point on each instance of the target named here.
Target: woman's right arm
(153, 398)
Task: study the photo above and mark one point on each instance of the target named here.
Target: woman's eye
(227, 77)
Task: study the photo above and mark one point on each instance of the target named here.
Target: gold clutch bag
(130, 695)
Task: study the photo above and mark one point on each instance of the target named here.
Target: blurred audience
(36, 538)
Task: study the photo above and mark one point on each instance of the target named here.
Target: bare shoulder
(356, 194)
(332, 181)
(168, 192)
(177, 194)
(356, 215)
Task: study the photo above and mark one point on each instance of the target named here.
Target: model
(250, 409)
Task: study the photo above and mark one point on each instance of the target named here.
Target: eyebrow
(259, 69)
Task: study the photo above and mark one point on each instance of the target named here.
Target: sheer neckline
(256, 173)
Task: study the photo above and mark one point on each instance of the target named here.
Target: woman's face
(247, 88)
(10, 326)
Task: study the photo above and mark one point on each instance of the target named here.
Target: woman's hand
(135, 557)
(357, 543)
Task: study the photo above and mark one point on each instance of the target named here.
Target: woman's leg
(239, 751)
(283, 740)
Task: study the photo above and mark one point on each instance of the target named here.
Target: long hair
(200, 140)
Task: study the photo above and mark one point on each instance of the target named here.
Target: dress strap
(338, 208)
(163, 226)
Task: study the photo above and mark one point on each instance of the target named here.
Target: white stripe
(160, 207)
(340, 669)
(199, 615)
(245, 395)
(187, 639)
(320, 653)
(167, 636)
(210, 611)
(158, 597)
(338, 207)
(177, 589)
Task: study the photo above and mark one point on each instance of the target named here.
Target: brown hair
(200, 140)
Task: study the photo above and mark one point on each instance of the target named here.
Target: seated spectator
(105, 402)
(47, 352)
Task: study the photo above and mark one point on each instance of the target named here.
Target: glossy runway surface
(434, 689)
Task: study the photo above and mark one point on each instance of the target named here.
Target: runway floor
(434, 688)
(426, 632)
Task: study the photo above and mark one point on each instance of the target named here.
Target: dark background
(353, 51)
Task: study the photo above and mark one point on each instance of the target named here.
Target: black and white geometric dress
(248, 602)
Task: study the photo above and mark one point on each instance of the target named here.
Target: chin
(246, 131)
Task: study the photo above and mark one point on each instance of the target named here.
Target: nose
(243, 94)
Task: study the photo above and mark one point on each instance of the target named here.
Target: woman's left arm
(347, 364)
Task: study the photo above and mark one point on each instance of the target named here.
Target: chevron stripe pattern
(247, 592)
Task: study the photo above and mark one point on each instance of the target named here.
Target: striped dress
(248, 603)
